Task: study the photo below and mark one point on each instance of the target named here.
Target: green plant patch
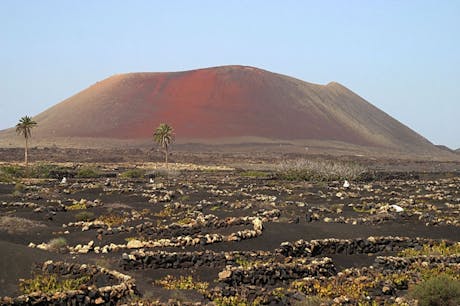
(44, 170)
(111, 219)
(255, 174)
(88, 172)
(77, 206)
(51, 283)
(13, 170)
(133, 173)
(182, 283)
(438, 290)
(439, 249)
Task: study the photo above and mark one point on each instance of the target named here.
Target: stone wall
(179, 260)
(372, 245)
(402, 263)
(271, 273)
(123, 286)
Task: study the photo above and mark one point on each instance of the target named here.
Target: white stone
(134, 244)
(43, 246)
(258, 225)
(223, 275)
(397, 208)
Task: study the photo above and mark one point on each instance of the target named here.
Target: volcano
(222, 102)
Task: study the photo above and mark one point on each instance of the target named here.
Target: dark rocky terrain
(228, 232)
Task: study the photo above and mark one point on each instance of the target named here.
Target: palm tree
(24, 127)
(164, 137)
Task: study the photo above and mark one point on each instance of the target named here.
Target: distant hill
(445, 148)
(221, 102)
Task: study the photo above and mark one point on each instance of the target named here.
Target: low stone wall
(87, 295)
(372, 245)
(402, 263)
(180, 260)
(19, 204)
(198, 223)
(271, 273)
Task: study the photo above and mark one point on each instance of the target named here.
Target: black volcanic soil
(238, 157)
(223, 194)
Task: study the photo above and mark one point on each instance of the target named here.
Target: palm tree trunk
(26, 157)
(166, 154)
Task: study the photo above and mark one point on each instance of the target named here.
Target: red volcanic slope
(229, 101)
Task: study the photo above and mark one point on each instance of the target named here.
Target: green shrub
(51, 283)
(88, 172)
(4, 178)
(133, 173)
(84, 216)
(439, 290)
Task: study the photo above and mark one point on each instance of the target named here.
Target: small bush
(88, 172)
(84, 216)
(19, 187)
(51, 283)
(57, 244)
(133, 173)
(440, 290)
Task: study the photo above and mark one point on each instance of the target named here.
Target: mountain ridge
(225, 101)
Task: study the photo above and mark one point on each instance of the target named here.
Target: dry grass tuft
(319, 170)
(16, 225)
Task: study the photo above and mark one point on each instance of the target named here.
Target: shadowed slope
(229, 101)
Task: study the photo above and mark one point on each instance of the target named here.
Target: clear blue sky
(402, 56)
